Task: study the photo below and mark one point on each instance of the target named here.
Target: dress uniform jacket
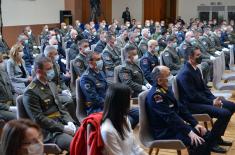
(93, 86)
(143, 46)
(172, 60)
(133, 76)
(147, 63)
(166, 116)
(42, 105)
(111, 59)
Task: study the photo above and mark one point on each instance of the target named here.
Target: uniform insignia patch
(171, 105)
(158, 98)
(145, 61)
(78, 63)
(87, 86)
(32, 85)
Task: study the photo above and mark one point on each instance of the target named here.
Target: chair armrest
(51, 149)
(202, 117)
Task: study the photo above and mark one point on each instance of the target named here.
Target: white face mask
(35, 149)
(21, 54)
(87, 50)
(136, 57)
(57, 57)
(56, 46)
(46, 30)
(29, 33)
(65, 27)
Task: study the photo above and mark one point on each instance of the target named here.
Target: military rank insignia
(158, 98)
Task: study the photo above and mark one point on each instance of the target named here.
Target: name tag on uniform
(166, 54)
(135, 72)
(47, 100)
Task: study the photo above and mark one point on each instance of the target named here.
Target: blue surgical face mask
(99, 64)
(26, 41)
(157, 49)
(57, 57)
(174, 45)
(50, 74)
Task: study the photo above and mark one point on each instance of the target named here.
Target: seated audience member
(7, 91)
(101, 44)
(79, 64)
(122, 39)
(143, 45)
(27, 50)
(42, 105)
(134, 40)
(131, 74)
(149, 60)
(21, 137)
(94, 87)
(168, 118)
(110, 56)
(16, 69)
(116, 131)
(194, 94)
(170, 56)
(64, 94)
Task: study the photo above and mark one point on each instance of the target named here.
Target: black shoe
(218, 149)
(224, 143)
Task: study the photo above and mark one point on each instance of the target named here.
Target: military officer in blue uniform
(93, 85)
(149, 60)
(198, 98)
(167, 117)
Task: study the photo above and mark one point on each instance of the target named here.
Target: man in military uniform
(42, 105)
(143, 45)
(167, 117)
(149, 60)
(4, 49)
(101, 44)
(94, 86)
(7, 108)
(64, 93)
(133, 40)
(170, 56)
(198, 98)
(122, 39)
(110, 56)
(131, 74)
(79, 64)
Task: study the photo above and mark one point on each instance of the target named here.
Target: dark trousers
(7, 115)
(63, 140)
(223, 116)
(133, 116)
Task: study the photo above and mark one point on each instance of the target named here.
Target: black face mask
(198, 60)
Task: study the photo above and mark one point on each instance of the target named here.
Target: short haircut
(40, 61)
(170, 38)
(156, 73)
(127, 50)
(150, 42)
(90, 56)
(82, 41)
(48, 49)
(110, 36)
(190, 51)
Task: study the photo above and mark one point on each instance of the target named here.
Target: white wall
(188, 8)
(135, 6)
(30, 12)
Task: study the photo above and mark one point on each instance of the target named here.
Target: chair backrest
(93, 47)
(122, 55)
(217, 72)
(144, 133)
(231, 55)
(116, 72)
(161, 59)
(21, 112)
(222, 61)
(67, 58)
(175, 88)
(80, 100)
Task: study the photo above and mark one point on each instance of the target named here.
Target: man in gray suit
(43, 107)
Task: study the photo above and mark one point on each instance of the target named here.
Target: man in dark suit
(126, 15)
(197, 97)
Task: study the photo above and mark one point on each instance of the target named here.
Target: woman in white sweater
(116, 130)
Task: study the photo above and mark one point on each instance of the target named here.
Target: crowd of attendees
(46, 71)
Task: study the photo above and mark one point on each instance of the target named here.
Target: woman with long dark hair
(116, 130)
(21, 137)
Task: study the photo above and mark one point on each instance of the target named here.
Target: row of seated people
(42, 102)
(92, 82)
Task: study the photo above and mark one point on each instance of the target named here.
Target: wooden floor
(229, 135)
